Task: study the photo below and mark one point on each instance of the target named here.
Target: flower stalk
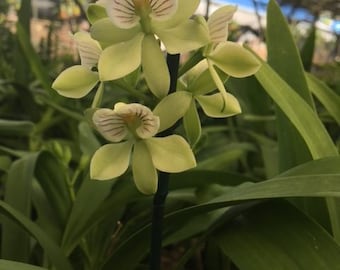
(163, 183)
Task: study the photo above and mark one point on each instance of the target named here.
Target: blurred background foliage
(223, 215)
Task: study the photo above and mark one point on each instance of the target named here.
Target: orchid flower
(229, 57)
(132, 34)
(77, 81)
(195, 87)
(131, 129)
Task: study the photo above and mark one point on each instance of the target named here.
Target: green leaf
(293, 186)
(265, 240)
(222, 159)
(15, 128)
(52, 176)
(298, 112)
(234, 60)
(110, 161)
(32, 57)
(171, 153)
(87, 140)
(284, 58)
(200, 178)
(171, 108)
(250, 93)
(307, 51)
(144, 172)
(52, 251)
(153, 62)
(326, 96)
(46, 218)
(75, 82)
(283, 54)
(79, 221)
(120, 59)
(15, 242)
(6, 265)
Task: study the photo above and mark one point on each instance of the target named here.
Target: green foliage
(252, 202)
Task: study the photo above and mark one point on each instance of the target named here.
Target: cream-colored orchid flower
(77, 81)
(229, 57)
(195, 87)
(130, 128)
(132, 34)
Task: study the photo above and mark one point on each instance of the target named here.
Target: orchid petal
(163, 9)
(75, 82)
(110, 125)
(89, 49)
(144, 172)
(203, 83)
(218, 23)
(120, 59)
(122, 13)
(234, 60)
(110, 161)
(171, 154)
(192, 124)
(171, 108)
(148, 122)
(188, 36)
(185, 9)
(95, 12)
(214, 106)
(107, 33)
(155, 68)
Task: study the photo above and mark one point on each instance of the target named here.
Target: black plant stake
(163, 183)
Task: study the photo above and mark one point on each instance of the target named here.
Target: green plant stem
(163, 183)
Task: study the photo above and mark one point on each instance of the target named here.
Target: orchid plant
(132, 36)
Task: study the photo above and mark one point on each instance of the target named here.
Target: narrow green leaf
(8, 265)
(307, 51)
(15, 242)
(200, 178)
(53, 252)
(89, 197)
(284, 58)
(298, 112)
(326, 96)
(323, 185)
(264, 240)
(283, 54)
(53, 178)
(32, 57)
(15, 128)
(20, 62)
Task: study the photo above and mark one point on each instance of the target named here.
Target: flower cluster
(131, 35)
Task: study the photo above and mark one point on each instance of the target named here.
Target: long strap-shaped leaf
(314, 179)
(15, 242)
(53, 252)
(329, 98)
(284, 58)
(6, 265)
(299, 113)
(275, 235)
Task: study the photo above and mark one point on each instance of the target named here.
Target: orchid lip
(126, 119)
